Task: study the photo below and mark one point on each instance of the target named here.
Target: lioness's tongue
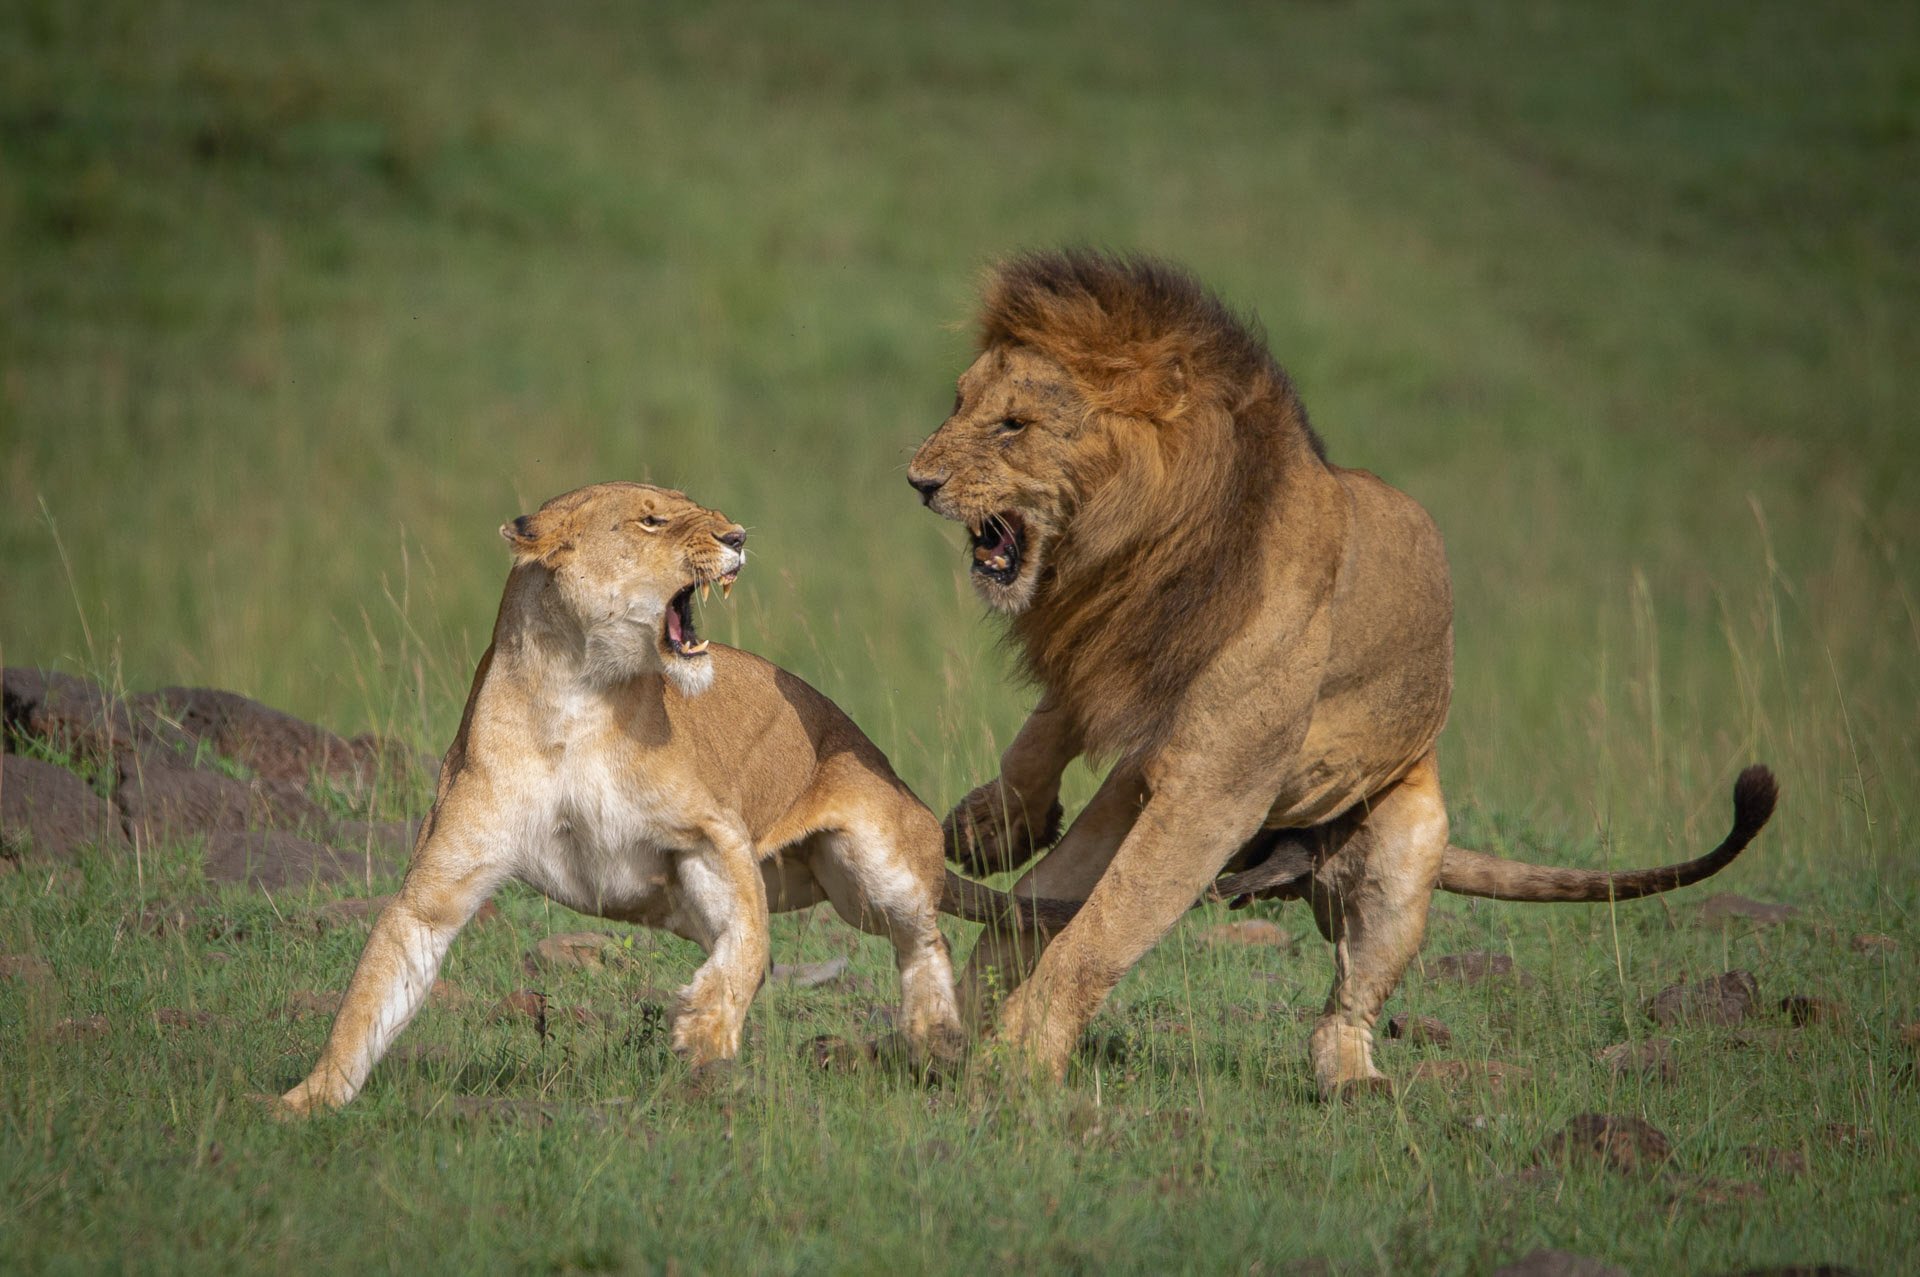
(673, 624)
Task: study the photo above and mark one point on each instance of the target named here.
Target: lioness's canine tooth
(694, 650)
(726, 587)
(706, 590)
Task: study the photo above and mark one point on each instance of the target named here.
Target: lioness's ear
(532, 542)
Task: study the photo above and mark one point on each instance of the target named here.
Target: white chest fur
(593, 837)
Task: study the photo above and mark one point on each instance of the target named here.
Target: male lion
(1260, 641)
(625, 767)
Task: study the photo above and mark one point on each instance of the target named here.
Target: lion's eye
(652, 522)
(1011, 426)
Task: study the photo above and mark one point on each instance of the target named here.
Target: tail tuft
(1754, 794)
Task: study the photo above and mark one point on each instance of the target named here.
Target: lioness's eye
(652, 522)
(1012, 425)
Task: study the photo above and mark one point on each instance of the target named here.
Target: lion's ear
(1150, 382)
(533, 541)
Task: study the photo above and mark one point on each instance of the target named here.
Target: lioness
(614, 760)
(1260, 641)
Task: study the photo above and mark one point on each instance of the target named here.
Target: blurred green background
(298, 303)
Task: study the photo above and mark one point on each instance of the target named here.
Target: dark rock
(272, 860)
(271, 744)
(72, 715)
(163, 804)
(1724, 907)
(1725, 999)
(1652, 1058)
(178, 1018)
(1775, 1161)
(1419, 1029)
(1804, 1010)
(1557, 1263)
(49, 811)
(1617, 1142)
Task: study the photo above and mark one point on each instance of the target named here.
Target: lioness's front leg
(443, 890)
(725, 898)
(1001, 824)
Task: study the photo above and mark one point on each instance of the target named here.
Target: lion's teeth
(726, 587)
(694, 649)
(706, 590)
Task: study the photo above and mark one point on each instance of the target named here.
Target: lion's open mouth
(996, 547)
(682, 639)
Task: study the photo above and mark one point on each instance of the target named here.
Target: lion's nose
(733, 538)
(926, 487)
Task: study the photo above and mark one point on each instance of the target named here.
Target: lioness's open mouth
(996, 547)
(682, 639)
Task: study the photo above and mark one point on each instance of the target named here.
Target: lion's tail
(1473, 873)
(977, 902)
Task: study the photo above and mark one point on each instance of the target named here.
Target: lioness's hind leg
(1370, 900)
(885, 878)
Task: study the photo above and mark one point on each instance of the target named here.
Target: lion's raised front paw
(992, 831)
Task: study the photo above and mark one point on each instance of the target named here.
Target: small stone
(1804, 1010)
(572, 950)
(1252, 932)
(1557, 1263)
(1419, 1030)
(808, 975)
(25, 968)
(178, 1018)
(1775, 1161)
(1472, 968)
(1723, 907)
(1706, 1190)
(1873, 942)
(1652, 1058)
(307, 1004)
(1724, 999)
(78, 1028)
(522, 1004)
(1495, 1074)
(1629, 1145)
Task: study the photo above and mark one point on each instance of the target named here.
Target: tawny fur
(1260, 641)
(692, 791)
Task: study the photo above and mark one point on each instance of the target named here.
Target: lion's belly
(592, 846)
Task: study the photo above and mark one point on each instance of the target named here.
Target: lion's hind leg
(1370, 899)
(884, 876)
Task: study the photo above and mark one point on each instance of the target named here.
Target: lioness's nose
(733, 538)
(926, 487)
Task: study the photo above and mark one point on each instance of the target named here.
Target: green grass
(296, 306)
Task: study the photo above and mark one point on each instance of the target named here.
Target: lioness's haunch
(624, 766)
(1260, 641)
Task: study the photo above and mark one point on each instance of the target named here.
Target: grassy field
(298, 304)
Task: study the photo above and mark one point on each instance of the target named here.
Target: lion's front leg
(1157, 873)
(1002, 824)
(1002, 959)
(1370, 899)
(725, 898)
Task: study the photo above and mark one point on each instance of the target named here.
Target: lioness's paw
(991, 830)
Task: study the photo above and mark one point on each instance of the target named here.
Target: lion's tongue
(674, 634)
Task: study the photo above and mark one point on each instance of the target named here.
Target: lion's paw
(991, 830)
